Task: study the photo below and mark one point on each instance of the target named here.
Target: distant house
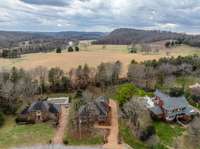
(169, 108)
(95, 111)
(59, 101)
(40, 111)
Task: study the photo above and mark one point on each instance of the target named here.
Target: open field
(93, 56)
(13, 135)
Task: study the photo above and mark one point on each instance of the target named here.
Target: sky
(100, 15)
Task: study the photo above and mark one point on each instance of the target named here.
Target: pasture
(92, 55)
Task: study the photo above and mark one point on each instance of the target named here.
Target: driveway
(114, 129)
(59, 135)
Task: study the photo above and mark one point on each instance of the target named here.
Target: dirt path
(114, 129)
(59, 135)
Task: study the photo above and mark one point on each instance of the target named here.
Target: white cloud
(103, 15)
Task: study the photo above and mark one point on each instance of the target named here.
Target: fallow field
(92, 55)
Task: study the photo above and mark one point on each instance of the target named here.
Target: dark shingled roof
(100, 106)
(25, 111)
(53, 108)
(156, 110)
(39, 105)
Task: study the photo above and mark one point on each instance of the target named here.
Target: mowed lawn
(168, 132)
(12, 135)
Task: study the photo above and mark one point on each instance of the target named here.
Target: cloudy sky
(100, 15)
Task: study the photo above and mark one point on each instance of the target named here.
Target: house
(95, 111)
(40, 111)
(169, 108)
(59, 101)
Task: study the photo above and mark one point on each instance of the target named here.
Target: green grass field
(12, 135)
(129, 138)
(92, 140)
(168, 132)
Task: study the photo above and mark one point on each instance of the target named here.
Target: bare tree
(136, 74)
(40, 74)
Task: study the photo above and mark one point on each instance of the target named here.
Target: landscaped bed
(12, 135)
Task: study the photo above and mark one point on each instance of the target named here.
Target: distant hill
(127, 36)
(11, 38)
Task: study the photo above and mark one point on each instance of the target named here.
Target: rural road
(114, 129)
(59, 135)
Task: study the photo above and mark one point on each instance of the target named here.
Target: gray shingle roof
(156, 110)
(43, 106)
(99, 106)
(172, 102)
(39, 105)
(53, 108)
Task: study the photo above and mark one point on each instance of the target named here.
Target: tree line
(17, 85)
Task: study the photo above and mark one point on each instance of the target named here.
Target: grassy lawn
(129, 138)
(165, 131)
(91, 140)
(168, 132)
(12, 135)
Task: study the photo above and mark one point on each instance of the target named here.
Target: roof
(190, 111)
(24, 111)
(99, 106)
(172, 102)
(39, 105)
(103, 99)
(59, 100)
(54, 108)
(156, 110)
(88, 108)
(42, 106)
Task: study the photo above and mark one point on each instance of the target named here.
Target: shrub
(125, 92)
(149, 131)
(70, 49)
(76, 49)
(59, 50)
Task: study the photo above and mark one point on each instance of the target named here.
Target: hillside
(126, 36)
(11, 39)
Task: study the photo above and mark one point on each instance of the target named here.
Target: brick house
(40, 111)
(95, 111)
(169, 108)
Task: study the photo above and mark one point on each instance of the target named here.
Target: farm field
(93, 55)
